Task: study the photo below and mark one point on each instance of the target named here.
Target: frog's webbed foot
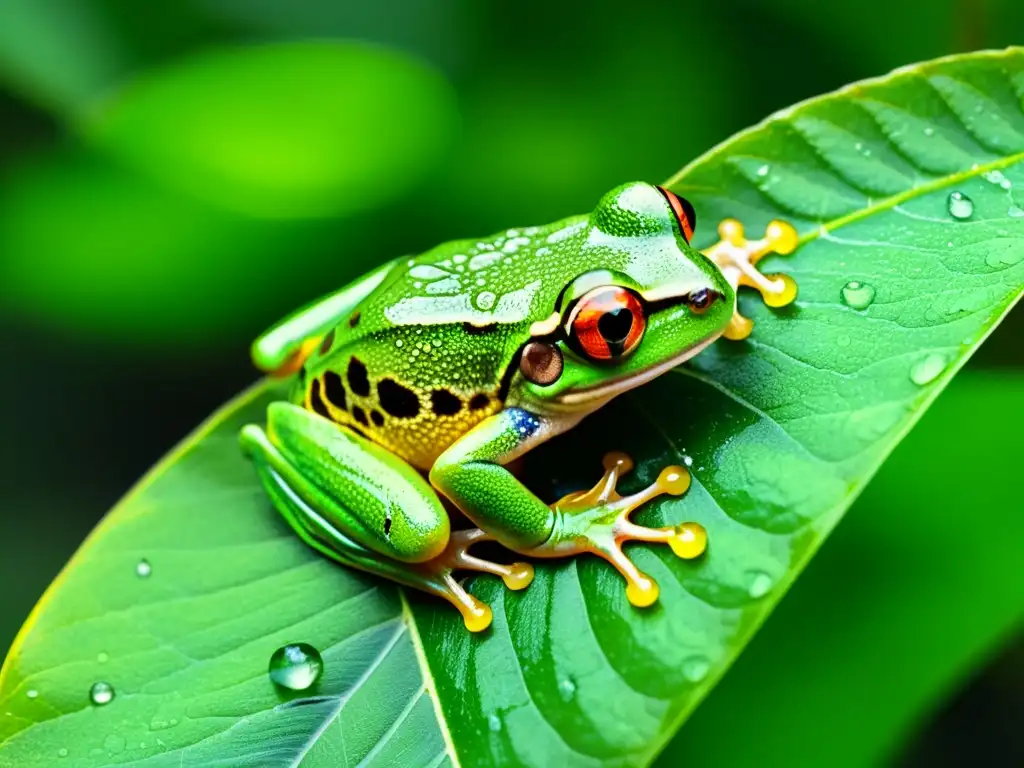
(598, 521)
(737, 258)
(476, 615)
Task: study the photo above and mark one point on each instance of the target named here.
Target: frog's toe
(737, 258)
(598, 521)
(456, 557)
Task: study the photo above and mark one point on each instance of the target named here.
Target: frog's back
(429, 354)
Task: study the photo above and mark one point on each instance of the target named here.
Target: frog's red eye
(607, 323)
(683, 211)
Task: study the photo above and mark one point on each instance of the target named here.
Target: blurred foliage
(131, 281)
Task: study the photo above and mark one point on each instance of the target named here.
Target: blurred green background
(176, 176)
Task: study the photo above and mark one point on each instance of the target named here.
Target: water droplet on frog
(688, 460)
(114, 744)
(32, 693)
(929, 131)
(494, 723)
(296, 667)
(143, 569)
(485, 300)
(1015, 212)
(763, 171)
(960, 206)
(696, 668)
(927, 369)
(759, 584)
(101, 693)
(102, 658)
(567, 689)
(62, 752)
(857, 295)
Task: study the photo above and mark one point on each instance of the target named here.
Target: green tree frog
(417, 385)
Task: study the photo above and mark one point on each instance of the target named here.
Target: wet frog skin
(420, 382)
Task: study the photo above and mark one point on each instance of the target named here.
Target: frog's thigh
(355, 485)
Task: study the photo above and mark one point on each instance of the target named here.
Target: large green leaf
(913, 591)
(781, 432)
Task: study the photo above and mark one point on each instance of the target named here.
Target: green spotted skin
(415, 383)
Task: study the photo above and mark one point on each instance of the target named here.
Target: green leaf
(919, 585)
(781, 431)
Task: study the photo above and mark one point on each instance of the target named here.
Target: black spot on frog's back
(444, 403)
(397, 400)
(316, 400)
(334, 390)
(358, 381)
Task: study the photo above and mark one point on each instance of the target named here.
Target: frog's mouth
(609, 389)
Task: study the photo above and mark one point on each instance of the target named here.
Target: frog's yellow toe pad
(737, 258)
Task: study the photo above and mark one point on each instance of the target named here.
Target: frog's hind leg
(434, 577)
(361, 506)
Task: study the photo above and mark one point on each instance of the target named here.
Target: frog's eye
(607, 323)
(683, 211)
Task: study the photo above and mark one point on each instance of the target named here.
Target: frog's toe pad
(737, 258)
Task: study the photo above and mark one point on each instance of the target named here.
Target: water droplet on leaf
(296, 667)
(763, 171)
(143, 569)
(857, 295)
(1015, 212)
(494, 723)
(759, 584)
(101, 693)
(62, 752)
(567, 689)
(960, 206)
(32, 693)
(696, 668)
(928, 369)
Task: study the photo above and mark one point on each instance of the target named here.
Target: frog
(416, 390)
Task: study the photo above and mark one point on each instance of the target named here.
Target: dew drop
(494, 723)
(1015, 212)
(32, 693)
(101, 693)
(296, 667)
(696, 668)
(688, 460)
(485, 300)
(960, 206)
(929, 131)
(763, 171)
(857, 295)
(759, 584)
(928, 369)
(62, 752)
(567, 689)
(143, 569)
(102, 658)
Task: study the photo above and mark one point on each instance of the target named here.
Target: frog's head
(639, 300)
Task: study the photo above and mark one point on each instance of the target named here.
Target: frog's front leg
(356, 503)
(471, 474)
(737, 258)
